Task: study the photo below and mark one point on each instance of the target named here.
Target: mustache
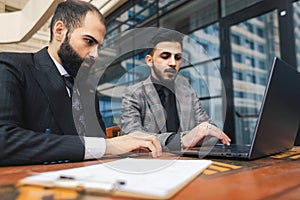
(170, 69)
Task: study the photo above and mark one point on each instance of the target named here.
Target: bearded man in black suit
(36, 121)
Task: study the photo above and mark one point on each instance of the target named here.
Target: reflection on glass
(296, 9)
(231, 6)
(254, 44)
(205, 42)
(206, 80)
(139, 12)
(201, 68)
(115, 79)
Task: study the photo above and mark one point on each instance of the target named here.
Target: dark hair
(164, 35)
(72, 13)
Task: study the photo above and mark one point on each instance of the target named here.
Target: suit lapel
(54, 89)
(183, 102)
(154, 104)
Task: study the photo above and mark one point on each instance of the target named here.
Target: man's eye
(177, 57)
(89, 41)
(165, 55)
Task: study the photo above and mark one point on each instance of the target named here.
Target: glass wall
(135, 13)
(296, 16)
(203, 69)
(253, 42)
(231, 6)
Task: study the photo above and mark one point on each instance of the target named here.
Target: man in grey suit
(164, 105)
(36, 122)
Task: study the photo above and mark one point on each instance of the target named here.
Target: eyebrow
(167, 52)
(92, 38)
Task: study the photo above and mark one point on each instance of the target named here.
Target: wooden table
(276, 177)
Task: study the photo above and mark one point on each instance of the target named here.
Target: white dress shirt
(94, 147)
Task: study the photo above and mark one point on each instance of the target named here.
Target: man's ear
(59, 31)
(149, 60)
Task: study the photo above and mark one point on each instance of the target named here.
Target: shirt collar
(60, 68)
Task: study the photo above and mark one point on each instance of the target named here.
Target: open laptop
(277, 123)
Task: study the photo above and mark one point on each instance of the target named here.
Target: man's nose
(94, 53)
(172, 61)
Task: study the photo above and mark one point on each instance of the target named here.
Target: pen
(66, 177)
(69, 182)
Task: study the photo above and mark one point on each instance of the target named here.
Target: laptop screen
(279, 116)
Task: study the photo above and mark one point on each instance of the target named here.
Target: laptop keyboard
(232, 148)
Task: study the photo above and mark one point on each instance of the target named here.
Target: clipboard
(129, 177)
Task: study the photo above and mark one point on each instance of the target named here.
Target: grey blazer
(142, 109)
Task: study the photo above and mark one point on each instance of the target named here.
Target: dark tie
(69, 81)
(169, 103)
(86, 123)
(78, 113)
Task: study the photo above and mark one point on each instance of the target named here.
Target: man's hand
(133, 141)
(199, 132)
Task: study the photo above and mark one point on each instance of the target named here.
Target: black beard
(70, 59)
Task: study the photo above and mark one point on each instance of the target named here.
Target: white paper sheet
(152, 177)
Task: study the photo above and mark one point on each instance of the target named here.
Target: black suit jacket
(34, 98)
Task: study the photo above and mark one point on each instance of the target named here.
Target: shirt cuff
(94, 147)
